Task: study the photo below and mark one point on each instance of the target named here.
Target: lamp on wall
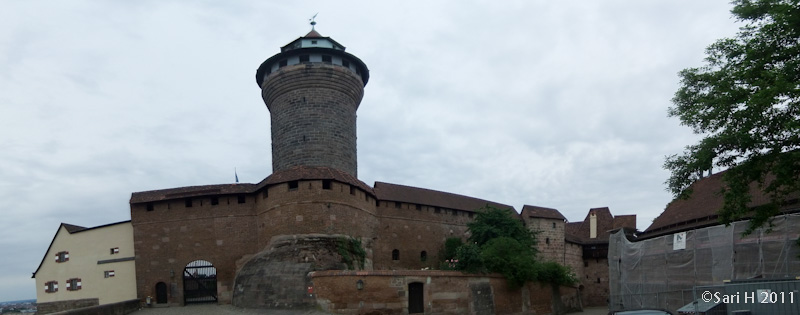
(360, 285)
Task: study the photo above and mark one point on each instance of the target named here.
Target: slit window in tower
(303, 58)
(396, 254)
(352, 190)
(327, 58)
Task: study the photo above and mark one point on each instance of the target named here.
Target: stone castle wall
(595, 282)
(172, 235)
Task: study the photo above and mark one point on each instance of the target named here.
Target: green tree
(746, 101)
(491, 222)
(511, 258)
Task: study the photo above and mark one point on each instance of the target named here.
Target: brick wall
(444, 292)
(595, 282)
(172, 235)
(412, 229)
(313, 116)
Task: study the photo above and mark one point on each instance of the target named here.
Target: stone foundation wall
(60, 306)
(444, 292)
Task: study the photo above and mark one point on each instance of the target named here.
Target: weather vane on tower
(312, 21)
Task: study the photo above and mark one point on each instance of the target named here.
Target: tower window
(554, 225)
(150, 206)
(214, 201)
(303, 58)
(265, 194)
(469, 214)
(188, 202)
(282, 63)
(455, 212)
(313, 42)
(352, 190)
(241, 198)
(547, 241)
(423, 256)
(395, 254)
(326, 58)
(346, 63)
(293, 185)
(437, 210)
(326, 184)
(419, 207)
(398, 205)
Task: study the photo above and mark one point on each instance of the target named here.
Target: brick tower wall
(312, 209)
(313, 114)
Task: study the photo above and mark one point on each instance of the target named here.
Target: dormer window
(313, 42)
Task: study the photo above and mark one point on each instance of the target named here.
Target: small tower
(312, 89)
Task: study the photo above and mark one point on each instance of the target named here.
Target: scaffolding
(663, 272)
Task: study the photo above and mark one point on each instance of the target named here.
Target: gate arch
(199, 282)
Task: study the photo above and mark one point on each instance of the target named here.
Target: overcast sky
(560, 104)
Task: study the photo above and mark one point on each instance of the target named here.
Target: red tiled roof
(190, 191)
(408, 194)
(700, 209)
(580, 232)
(313, 33)
(311, 173)
(541, 212)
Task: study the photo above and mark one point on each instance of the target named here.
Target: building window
(150, 206)
(352, 190)
(115, 250)
(419, 207)
(293, 185)
(423, 256)
(469, 214)
(108, 273)
(547, 241)
(455, 212)
(586, 263)
(326, 58)
(51, 286)
(398, 205)
(395, 254)
(241, 199)
(554, 225)
(313, 42)
(282, 63)
(266, 193)
(437, 210)
(346, 63)
(598, 280)
(74, 284)
(326, 184)
(62, 257)
(303, 58)
(188, 202)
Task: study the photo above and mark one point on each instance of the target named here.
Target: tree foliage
(499, 242)
(746, 101)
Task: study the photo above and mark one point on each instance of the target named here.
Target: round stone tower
(312, 89)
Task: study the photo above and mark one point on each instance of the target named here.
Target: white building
(87, 266)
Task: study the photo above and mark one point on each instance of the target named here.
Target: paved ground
(211, 309)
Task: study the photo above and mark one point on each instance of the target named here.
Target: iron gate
(199, 282)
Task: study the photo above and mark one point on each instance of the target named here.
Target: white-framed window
(73, 284)
(115, 250)
(51, 286)
(62, 257)
(108, 273)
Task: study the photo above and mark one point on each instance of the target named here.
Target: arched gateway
(199, 282)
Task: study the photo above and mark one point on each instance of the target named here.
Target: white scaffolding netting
(655, 273)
